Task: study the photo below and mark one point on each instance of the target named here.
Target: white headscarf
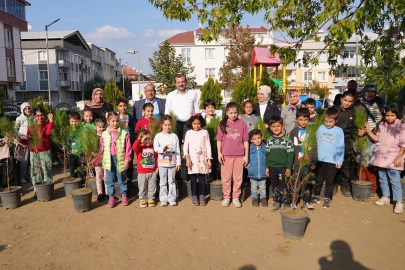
(267, 94)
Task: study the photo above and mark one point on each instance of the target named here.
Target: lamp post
(47, 58)
(139, 72)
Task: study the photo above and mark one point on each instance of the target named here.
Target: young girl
(197, 150)
(166, 145)
(147, 118)
(43, 150)
(249, 118)
(100, 127)
(116, 151)
(233, 150)
(88, 118)
(389, 155)
(21, 126)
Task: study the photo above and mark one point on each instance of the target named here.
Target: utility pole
(139, 72)
(47, 59)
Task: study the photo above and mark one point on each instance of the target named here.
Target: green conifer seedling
(9, 133)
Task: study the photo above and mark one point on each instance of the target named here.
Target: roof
(25, 3)
(71, 36)
(264, 57)
(107, 49)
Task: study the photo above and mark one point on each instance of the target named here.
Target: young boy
(257, 168)
(297, 137)
(279, 161)
(147, 167)
(88, 118)
(346, 123)
(310, 104)
(209, 107)
(73, 152)
(147, 118)
(331, 147)
(128, 124)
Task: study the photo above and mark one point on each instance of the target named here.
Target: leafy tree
(97, 81)
(8, 132)
(240, 43)
(244, 90)
(112, 92)
(320, 90)
(165, 65)
(211, 90)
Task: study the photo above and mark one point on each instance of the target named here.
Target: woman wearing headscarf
(265, 108)
(289, 112)
(97, 104)
(371, 104)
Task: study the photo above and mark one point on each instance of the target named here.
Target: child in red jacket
(147, 167)
(147, 119)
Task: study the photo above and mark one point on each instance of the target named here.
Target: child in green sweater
(279, 161)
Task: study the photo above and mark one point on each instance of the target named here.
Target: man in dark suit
(158, 103)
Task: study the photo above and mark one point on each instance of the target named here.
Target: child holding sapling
(75, 160)
(88, 118)
(197, 150)
(147, 119)
(100, 126)
(310, 104)
(209, 107)
(248, 117)
(166, 145)
(147, 167)
(389, 155)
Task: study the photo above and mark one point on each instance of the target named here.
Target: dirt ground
(51, 235)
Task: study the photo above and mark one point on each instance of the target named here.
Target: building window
(65, 76)
(41, 55)
(43, 75)
(185, 53)
(10, 67)
(226, 52)
(209, 53)
(321, 76)
(13, 8)
(259, 36)
(308, 76)
(73, 85)
(64, 56)
(69, 96)
(7, 39)
(210, 73)
(322, 56)
(349, 54)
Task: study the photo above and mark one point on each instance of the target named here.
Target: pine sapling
(212, 128)
(360, 143)
(61, 136)
(9, 133)
(35, 140)
(89, 146)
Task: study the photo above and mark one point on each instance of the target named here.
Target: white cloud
(108, 33)
(170, 32)
(149, 33)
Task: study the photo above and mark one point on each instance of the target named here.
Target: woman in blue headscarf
(371, 104)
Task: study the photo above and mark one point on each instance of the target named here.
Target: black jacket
(298, 149)
(346, 122)
(271, 110)
(131, 127)
(100, 112)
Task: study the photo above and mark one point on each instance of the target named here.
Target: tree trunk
(323, 102)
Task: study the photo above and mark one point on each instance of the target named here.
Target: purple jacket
(390, 138)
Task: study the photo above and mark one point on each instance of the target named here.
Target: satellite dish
(29, 28)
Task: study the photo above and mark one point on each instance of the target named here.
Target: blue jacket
(257, 163)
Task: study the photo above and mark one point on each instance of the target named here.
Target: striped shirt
(375, 115)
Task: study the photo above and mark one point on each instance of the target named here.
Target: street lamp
(47, 57)
(139, 72)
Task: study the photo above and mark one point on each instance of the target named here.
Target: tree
(240, 43)
(8, 131)
(244, 90)
(264, 80)
(320, 90)
(60, 136)
(127, 85)
(165, 65)
(96, 82)
(112, 92)
(90, 147)
(39, 102)
(211, 90)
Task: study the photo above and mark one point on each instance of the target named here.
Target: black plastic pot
(11, 199)
(403, 188)
(93, 186)
(216, 193)
(293, 227)
(72, 185)
(82, 202)
(45, 192)
(361, 193)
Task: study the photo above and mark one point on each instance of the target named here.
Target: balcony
(64, 64)
(65, 83)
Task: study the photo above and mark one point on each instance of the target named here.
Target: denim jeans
(167, 178)
(121, 177)
(392, 176)
(258, 185)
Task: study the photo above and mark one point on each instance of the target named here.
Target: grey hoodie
(22, 122)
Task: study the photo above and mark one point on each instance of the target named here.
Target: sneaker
(309, 206)
(163, 204)
(399, 208)
(286, 206)
(202, 200)
(383, 201)
(100, 197)
(264, 202)
(255, 202)
(237, 203)
(275, 207)
(151, 203)
(372, 194)
(315, 200)
(194, 200)
(346, 191)
(23, 181)
(111, 202)
(143, 203)
(225, 202)
(124, 200)
(326, 203)
(172, 203)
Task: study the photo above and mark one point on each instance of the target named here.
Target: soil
(69, 179)
(217, 182)
(359, 182)
(293, 213)
(402, 180)
(92, 179)
(81, 191)
(9, 189)
(51, 235)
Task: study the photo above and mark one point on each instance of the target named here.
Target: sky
(119, 25)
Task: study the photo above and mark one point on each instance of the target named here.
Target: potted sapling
(61, 136)
(90, 147)
(363, 150)
(294, 219)
(10, 196)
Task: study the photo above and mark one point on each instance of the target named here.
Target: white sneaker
(172, 203)
(225, 202)
(23, 181)
(308, 205)
(383, 201)
(399, 208)
(236, 202)
(163, 204)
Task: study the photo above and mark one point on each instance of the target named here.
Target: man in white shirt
(182, 102)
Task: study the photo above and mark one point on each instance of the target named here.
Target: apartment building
(112, 65)
(12, 23)
(97, 60)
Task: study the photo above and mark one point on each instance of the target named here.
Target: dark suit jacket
(137, 113)
(271, 110)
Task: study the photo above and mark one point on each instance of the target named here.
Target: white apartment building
(112, 66)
